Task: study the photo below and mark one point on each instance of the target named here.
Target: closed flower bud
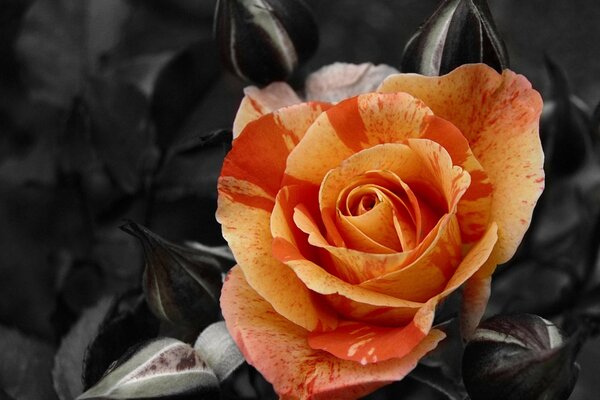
(459, 32)
(519, 357)
(181, 285)
(264, 40)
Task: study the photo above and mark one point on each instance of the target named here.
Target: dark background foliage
(109, 109)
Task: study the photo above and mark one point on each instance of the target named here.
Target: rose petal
(373, 315)
(427, 275)
(376, 225)
(355, 341)
(258, 102)
(339, 81)
(421, 162)
(259, 154)
(476, 294)
(279, 350)
(248, 233)
(499, 116)
(247, 187)
(475, 205)
(351, 126)
(367, 344)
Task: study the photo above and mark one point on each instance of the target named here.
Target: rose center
(379, 212)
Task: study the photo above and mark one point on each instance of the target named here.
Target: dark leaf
(127, 322)
(182, 285)
(157, 369)
(203, 10)
(179, 87)
(38, 166)
(13, 99)
(435, 378)
(60, 45)
(120, 131)
(447, 356)
(75, 147)
(81, 285)
(153, 35)
(4, 395)
(565, 127)
(35, 162)
(180, 175)
(37, 222)
(217, 348)
(153, 28)
(596, 126)
(119, 258)
(24, 358)
(68, 362)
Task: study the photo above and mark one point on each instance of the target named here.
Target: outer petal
(351, 126)
(367, 343)
(279, 350)
(474, 208)
(247, 187)
(499, 116)
(259, 154)
(340, 81)
(258, 102)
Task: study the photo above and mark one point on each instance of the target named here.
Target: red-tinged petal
(259, 154)
(448, 180)
(374, 315)
(423, 164)
(475, 261)
(475, 205)
(355, 266)
(365, 343)
(319, 280)
(351, 265)
(476, 294)
(428, 275)
(247, 230)
(279, 350)
(499, 116)
(258, 102)
(351, 126)
(476, 270)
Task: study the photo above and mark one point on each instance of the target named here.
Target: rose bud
(519, 357)
(459, 32)
(181, 285)
(264, 40)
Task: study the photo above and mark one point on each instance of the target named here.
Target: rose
(350, 222)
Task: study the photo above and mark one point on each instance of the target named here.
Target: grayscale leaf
(162, 367)
(217, 348)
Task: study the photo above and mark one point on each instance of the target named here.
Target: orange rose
(351, 222)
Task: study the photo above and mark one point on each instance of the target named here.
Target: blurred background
(98, 99)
